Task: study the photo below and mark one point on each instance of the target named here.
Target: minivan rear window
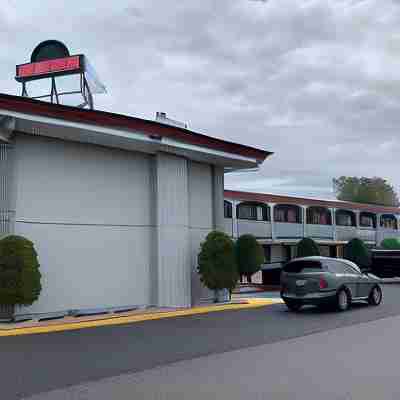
(302, 266)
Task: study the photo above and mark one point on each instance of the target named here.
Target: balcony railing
(346, 232)
(367, 234)
(384, 233)
(288, 230)
(260, 229)
(319, 231)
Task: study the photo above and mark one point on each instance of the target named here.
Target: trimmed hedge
(307, 247)
(217, 262)
(19, 271)
(249, 256)
(356, 251)
(390, 244)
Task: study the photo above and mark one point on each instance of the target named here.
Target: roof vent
(162, 117)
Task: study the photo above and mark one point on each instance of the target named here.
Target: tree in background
(249, 256)
(307, 247)
(356, 251)
(391, 244)
(365, 190)
(19, 273)
(217, 262)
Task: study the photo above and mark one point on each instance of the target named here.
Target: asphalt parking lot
(38, 363)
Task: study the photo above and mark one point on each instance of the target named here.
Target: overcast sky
(315, 81)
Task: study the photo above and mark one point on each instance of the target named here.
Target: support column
(304, 212)
(378, 235)
(234, 220)
(218, 198)
(271, 207)
(333, 218)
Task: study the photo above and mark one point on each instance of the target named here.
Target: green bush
(356, 251)
(19, 271)
(249, 256)
(307, 247)
(390, 244)
(217, 262)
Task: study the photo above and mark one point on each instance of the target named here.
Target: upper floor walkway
(276, 217)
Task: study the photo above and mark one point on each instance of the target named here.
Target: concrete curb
(124, 320)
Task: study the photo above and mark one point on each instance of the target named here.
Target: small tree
(19, 273)
(356, 251)
(217, 262)
(249, 256)
(307, 247)
(390, 244)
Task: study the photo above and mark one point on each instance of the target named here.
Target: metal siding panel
(7, 206)
(173, 231)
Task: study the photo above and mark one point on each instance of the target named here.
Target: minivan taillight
(323, 284)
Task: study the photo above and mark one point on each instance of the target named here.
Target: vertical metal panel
(218, 197)
(7, 210)
(173, 231)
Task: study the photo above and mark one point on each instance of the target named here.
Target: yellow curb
(251, 303)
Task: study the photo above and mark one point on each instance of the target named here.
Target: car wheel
(343, 300)
(375, 297)
(293, 305)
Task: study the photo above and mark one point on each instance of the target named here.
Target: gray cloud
(315, 81)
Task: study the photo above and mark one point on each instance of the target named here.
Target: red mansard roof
(272, 198)
(103, 118)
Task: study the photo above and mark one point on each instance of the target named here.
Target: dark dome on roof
(49, 50)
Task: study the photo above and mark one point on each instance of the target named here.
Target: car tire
(375, 296)
(343, 300)
(293, 305)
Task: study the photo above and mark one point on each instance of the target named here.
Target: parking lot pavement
(40, 363)
(356, 362)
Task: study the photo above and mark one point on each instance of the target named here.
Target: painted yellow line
(251, 303)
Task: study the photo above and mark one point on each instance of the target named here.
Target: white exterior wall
(87, 210)
(200, 219)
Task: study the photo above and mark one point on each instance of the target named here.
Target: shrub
(249, 256)
(19, 271)
(391, 244)
(217, 262)
(307, 247)
(356, 251)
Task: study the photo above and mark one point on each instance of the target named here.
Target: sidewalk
(73, 323)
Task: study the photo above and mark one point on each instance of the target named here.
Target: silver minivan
(324, 281)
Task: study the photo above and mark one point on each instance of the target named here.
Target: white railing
(260, 229)
(346, 232)
(288, 230)
(319, 231)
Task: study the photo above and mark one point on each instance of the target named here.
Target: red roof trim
(102, 118)
(272, 198)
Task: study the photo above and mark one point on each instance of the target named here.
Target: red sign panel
(49, 67)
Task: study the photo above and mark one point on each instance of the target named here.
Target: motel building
(116, 206)
(280, 222)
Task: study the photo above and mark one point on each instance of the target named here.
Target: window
(344, 219)
(338, 267)
(253, 212)
(318, 216)
(247, 211)
(302, 266)
(227, 209)
(388, 221)
(287, 213)
(367, 220)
